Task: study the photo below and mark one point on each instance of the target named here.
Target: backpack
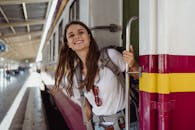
(134, 92)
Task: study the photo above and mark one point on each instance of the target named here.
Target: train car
(163, 42)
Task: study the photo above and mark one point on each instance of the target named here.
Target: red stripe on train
(164, 63)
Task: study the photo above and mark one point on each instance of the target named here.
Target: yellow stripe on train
(166, 83)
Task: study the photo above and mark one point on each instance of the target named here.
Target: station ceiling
(21, 27)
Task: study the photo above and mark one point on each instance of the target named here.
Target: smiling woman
(81, 70)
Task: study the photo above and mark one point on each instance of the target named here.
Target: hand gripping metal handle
(127, 80)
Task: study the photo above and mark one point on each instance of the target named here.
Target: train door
(130, 9)
(131, 22)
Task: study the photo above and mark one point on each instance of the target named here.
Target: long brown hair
(67, 59)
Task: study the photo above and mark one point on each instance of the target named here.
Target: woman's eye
(81, 32)
(70, 36)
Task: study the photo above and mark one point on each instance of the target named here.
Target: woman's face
(78, 38)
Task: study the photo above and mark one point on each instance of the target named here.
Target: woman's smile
(78, 42)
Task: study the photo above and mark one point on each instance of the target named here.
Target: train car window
(44, 54)
(60, 34)
(50, 50)
(74, 11)
(54, 38)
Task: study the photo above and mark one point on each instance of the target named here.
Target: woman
(102, 89)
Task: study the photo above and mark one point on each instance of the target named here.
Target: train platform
(23, 106)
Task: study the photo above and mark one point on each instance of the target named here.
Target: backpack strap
(107, 62)
(87, 123)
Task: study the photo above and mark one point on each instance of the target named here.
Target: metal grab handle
(127, 81)
(128, 35)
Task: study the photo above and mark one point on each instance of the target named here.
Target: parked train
(163, 42)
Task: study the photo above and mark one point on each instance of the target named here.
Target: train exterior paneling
(104, 17)
(167, 57)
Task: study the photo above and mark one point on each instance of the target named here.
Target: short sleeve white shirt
(110, 90)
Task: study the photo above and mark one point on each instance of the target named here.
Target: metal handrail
(127, 81)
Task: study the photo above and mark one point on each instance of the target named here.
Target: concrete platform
(21, 105)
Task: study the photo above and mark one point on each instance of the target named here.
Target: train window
(44, 54)
(74, 11)
(54, 38)
(50, 50)
(60, 34)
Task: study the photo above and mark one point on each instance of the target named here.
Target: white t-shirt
(110, 90)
